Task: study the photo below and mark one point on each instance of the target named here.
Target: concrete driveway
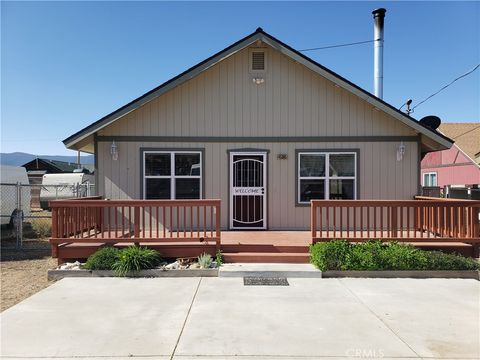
(220, 318)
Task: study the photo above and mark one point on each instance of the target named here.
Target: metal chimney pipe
(378, 21)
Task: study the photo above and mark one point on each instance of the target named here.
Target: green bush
(375, 255)
(135, 258)
(438, 260)
(205, 260)
(102, 259)
(330, 255)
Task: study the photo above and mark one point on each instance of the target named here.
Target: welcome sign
(247, 191)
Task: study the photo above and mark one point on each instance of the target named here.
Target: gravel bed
(24, 272)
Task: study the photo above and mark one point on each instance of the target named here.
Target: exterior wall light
(258, 80)
(401, 151)
(114, 151)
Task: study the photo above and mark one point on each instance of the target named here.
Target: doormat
(265, 281)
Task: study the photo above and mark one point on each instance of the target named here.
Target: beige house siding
(224, 101)
(380, 175)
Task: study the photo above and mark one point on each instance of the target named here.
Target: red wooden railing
(421, 220)
(135, 221)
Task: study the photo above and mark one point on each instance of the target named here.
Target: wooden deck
(240, 246)
(181, 228)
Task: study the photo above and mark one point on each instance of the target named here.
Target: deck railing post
(217, 224)
(476, 230)
(313, 220)
(136, 223)
(54, 235)
(394, 222)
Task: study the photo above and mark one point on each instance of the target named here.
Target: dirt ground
(23, 272)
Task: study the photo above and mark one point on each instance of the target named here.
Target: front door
(248, 192)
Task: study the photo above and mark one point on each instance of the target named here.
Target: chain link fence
(25, 216)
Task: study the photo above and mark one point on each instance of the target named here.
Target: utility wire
(466, 132)
(340, 45)
(446, 86)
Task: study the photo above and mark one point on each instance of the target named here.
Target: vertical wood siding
(224, 101)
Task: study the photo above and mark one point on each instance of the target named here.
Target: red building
(455, 166)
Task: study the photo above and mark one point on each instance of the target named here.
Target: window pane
(187, 164)
(157, 189)
(434, 180)
(312, 189)
(312, 165)
(157, 164)
(341, 189)
(342, 165)
(187, 188)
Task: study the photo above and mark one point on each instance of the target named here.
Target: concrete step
(269, 270)
(265, 257)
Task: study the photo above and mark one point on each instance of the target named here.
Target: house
(263, 128)
(454, 167)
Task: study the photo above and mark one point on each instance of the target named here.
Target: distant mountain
(19, 158)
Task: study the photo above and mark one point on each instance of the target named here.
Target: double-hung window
(326, 175)
(172, 175)
(430, 179)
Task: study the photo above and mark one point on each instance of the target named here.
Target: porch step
(265, 257)
(263, 248)
(269, 270)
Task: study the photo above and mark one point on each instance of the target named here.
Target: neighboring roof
(259, 35)
(51, 166)
(465, 135)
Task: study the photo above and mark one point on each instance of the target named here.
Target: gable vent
(258, 60)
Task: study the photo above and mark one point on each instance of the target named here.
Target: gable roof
(466, 136)
(441, 141)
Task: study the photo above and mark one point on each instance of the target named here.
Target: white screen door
(248, 191)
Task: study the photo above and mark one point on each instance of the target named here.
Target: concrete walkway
(220, 318)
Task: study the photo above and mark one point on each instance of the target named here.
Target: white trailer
(14, 193)
(65, 186)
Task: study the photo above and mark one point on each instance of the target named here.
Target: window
(326, 175)
(430, 179)
(172, 175)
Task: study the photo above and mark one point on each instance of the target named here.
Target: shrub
(41, 228)
(397, 256)
(437, 260)
(330, 255)
(205, 260)
(135, 258)
(366, 257)
(102, 259)
(375, 255)
(219, 258)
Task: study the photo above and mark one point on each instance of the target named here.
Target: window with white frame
(430, 179)
(326, 175)
(172, 175)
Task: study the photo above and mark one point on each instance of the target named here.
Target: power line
(446, 86)
(340, 45)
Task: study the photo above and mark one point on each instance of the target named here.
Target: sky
(64, 65)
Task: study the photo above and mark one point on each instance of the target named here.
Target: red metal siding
(452, 167)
